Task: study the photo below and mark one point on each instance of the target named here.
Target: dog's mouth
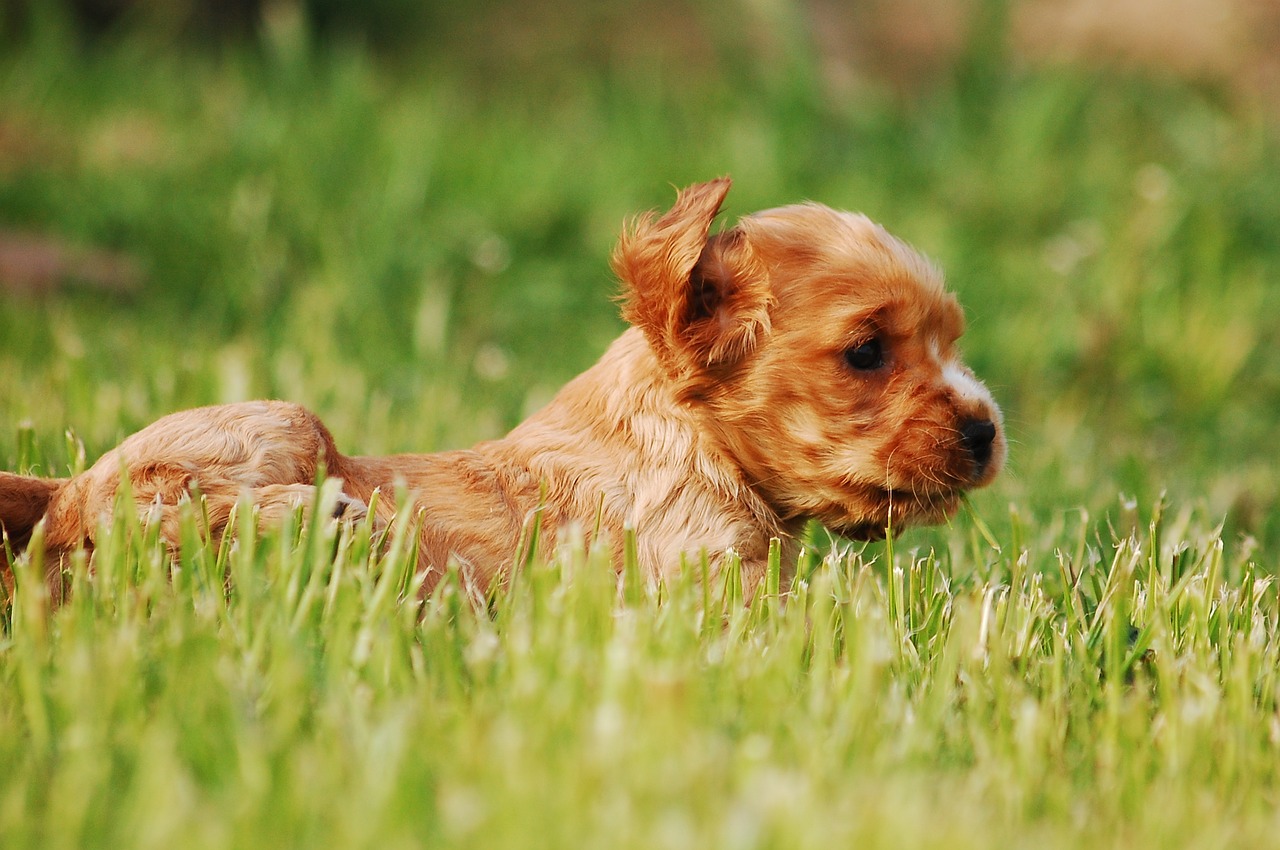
(864, 531)
(886, 508)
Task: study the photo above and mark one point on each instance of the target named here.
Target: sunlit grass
(292, 689)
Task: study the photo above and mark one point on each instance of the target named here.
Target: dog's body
(800, 365)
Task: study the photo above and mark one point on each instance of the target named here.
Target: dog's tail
(23, 501)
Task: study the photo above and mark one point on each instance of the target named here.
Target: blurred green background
(400, 213)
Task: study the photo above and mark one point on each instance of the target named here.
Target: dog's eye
(865, 356)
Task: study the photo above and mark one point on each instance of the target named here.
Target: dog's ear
(702, 301)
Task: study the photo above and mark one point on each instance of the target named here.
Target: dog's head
(820, 353)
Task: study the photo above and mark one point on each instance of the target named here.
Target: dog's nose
(977, 435)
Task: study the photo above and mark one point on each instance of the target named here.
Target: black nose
(977, 435)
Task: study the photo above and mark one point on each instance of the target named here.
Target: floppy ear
(701, 301)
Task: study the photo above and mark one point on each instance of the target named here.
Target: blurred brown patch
(32, 264)
(906, 43)
(910, 42)
(1235, 40)
(126, 141)
(26, 143)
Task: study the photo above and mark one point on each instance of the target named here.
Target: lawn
(1086, 656)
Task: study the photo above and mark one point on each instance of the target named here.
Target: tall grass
(291, 690)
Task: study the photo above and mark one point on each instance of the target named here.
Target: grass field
(1087, 657)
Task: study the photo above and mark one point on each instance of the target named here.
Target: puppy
(799, 365)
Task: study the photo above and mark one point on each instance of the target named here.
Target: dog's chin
(881, 510)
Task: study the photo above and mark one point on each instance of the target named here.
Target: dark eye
(865, 356)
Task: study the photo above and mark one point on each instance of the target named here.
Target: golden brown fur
(799, 365)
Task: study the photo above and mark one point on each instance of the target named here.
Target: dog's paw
(349, 510)
(276, 501)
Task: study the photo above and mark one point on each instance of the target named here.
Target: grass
(1087, 655)
(1122, 694)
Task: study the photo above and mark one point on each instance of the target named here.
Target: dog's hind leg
(270, 452)
(273, 503)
